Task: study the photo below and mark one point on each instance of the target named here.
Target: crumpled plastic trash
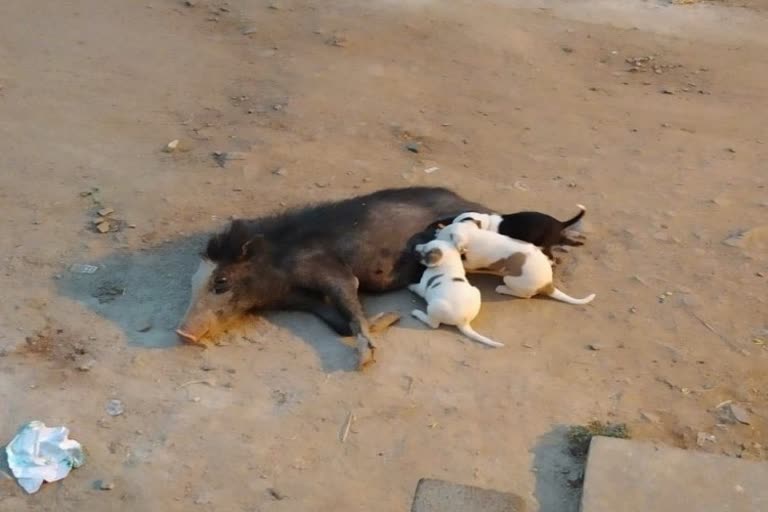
(40, 453)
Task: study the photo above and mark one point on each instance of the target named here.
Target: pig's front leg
(302, 300)
(327, 275)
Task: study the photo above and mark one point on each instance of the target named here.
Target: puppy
(525, 269)
(540, 229)
(451, 300)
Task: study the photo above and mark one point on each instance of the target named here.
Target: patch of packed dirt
(129, 131)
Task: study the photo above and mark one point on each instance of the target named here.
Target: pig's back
(373, 234)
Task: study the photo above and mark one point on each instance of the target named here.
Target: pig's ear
(253, 246)
(237, 243)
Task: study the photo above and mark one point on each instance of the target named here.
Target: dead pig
(315, 259)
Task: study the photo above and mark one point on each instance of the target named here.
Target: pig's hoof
(383, 321)
(366, 353)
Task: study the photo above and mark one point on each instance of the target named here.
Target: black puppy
(537, 228)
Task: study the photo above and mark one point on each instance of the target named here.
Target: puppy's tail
(577, 218)
(564, 297)
(469, 332)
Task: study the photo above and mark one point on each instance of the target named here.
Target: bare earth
(519, 106)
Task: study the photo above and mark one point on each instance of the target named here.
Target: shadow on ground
(559, 475)
(145, 294)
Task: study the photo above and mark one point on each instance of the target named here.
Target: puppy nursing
(540, 229)
(525, 269)
(451, 300)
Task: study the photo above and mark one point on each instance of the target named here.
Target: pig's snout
(195, 326)
(187, 337)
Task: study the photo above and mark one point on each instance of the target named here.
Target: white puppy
(526, 270)
(451, 300)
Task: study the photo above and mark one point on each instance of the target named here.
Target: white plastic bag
(39, 453)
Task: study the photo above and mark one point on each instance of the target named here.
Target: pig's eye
(220, 285)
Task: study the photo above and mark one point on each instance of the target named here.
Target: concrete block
(632, 476)
(441, 496)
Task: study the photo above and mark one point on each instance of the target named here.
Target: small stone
(280, 171)
(322, 184)
(106, 211)
(275, 6)
(86, 365)
(651, 417)
(106, 486)
(740, 414)
(277, 106)
(195, 399)
(144, 326)
(667, 91)
(633, 309)
(413, 147)
(703, 438)
(248, 31)
(732, 413)
(277, 495)
(171, 146)
(338, 40)
(115, 407)
(190, 3)
(103, 227)
(730, 150)
(566, 49)
(203, 500)
(207, 367)
(594, 347)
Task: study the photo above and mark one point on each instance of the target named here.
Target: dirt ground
(519, 104)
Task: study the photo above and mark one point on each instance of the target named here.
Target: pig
(316, 259)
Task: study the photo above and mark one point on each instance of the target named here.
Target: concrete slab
(630, 476)
(441, 496)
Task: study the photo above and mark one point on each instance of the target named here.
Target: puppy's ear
(460, 245)
(475, 221)
(433, 257)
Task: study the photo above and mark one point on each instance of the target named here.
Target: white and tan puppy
(451, 300)
(525, 269)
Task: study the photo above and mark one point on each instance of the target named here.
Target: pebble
(87, 365)
(732, 413)
(144, 327)
(171, 146)
(321, 184)
(207, 367)
(280, 171)
(103, 227)
(115, 407)
(106, 486)
(730, 150)
(703, 438)
(276, 494)
(594, 347)
(190, 3)
(249, 30)
(413, 147)
(741, 414)
(649, 416)
(667, 91)
(106, 211)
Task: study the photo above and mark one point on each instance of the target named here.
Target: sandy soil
(520, 106)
